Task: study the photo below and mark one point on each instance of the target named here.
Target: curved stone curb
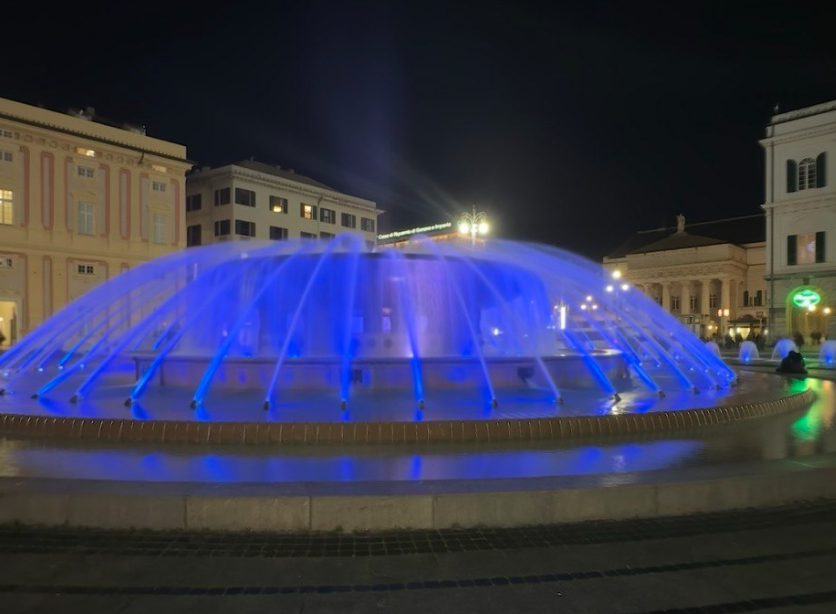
(146, 506)
(451, 431)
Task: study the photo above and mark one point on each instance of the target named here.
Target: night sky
(572, 125)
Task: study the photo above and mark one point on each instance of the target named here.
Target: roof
(736, 230)
(277, 171)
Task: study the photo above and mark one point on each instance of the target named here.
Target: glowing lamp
(806, 298)
(625, 287)
(483, 228)
(464, 228)
(609, 288)
(616, 274)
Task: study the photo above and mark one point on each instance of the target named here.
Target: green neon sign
(806, 299)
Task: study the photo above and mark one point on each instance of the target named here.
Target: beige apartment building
(710, 275)
(81, 200)
(251, 199)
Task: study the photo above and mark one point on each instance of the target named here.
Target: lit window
(278, 204)
(86, 171)
(86, 213)
(308, 212)
(806, 174)
(86, 269)
(159, 169)
(158, 186)
(193, 203)
(805, 246)
(158, 233)
(6, 156)
(6, 207)
(245, 229)
(277, 233)
(90, 153)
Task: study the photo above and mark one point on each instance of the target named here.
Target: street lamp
(474, 223)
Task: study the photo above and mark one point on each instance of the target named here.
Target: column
(666, 296)
(725, 302)
(685, 298)
(705, 291)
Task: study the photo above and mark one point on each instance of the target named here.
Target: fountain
(782, 348)
(713, 348)
(827, 353)
(748, 352)
(309, 325)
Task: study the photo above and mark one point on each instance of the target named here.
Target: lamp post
(474, 223)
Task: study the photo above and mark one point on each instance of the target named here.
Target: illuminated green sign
(806, 298)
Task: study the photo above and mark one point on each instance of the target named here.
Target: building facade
(709, 275)
(800, 207)
(250, 199)
(81, 200)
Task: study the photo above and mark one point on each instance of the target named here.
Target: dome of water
(748, 351)
(316, 321)
(783, 347)
(713, 348)
(827, 353)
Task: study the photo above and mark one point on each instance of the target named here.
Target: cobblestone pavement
(781, 560)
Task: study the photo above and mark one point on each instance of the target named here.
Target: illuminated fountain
(782, 348)
(827, 353)
(748, 351)
(318, 328)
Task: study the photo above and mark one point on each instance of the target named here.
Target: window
(277, 233)
(86, 269)
(221, 228)
(7, 134)
(278, 204)
(329, 216)
(244, 197)
(348, 220)
(6, 206)
(759, 298)
(86, 171)
(327, 235)
(712, 301)
(6, 156)
(366, 224)
(805, 248)
(193, 203)
(90, 153)
(193, 235)
(674, 303)
(308, 235)
(221, 197)
(6, 263)
(807, 174)
(244, 228)
(158, 228)
(308, 211)
(158, 186)
(693, 302)
(86, 220)
(159, 169)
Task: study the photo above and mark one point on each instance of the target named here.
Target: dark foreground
(780, 561)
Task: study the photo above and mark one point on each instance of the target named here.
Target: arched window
(807, 174)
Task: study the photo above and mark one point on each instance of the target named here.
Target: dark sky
(572, 123)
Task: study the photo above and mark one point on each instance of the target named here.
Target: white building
(250, 199)
(800, 207)
(709, 274)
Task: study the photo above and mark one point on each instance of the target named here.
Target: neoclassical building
(800, 207)
(81, 199)
(708, 274)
